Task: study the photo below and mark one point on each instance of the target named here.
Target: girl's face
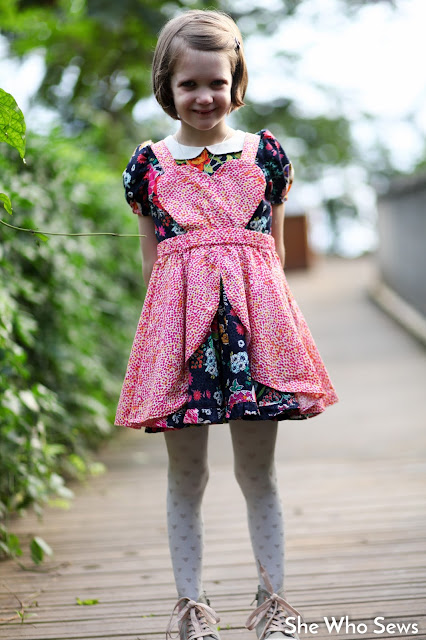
(201, 87)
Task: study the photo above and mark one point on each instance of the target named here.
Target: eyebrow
(189, 79)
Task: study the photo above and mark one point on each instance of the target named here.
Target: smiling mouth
(209, 111)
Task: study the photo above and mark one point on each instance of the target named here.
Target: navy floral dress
(221, 387)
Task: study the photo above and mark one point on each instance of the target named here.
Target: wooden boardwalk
(353, 487)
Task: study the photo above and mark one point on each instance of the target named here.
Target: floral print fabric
(219, 385)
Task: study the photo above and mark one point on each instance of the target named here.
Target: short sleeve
(278, 166)
(135, 180)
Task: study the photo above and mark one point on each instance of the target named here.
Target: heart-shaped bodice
(195, 199)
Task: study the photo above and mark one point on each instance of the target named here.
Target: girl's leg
(254, 447)
(187, 478)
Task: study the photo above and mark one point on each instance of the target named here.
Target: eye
(219, 82)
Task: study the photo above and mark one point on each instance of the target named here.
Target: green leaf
(41, 236)
(60, 503)
(39, 548)
(4, 548)
(9, 544)
(6, 202)
(78, 463)
(12, 542)
(29, 401)
(12, 123)
(24, 615)
(97, 468)
(87, 603)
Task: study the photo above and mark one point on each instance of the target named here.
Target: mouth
(203, 112)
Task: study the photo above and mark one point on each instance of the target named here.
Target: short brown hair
(202, 30)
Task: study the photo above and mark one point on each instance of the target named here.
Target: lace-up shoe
(270, 616)
(196, 620)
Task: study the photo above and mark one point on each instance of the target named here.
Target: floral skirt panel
(220, 384)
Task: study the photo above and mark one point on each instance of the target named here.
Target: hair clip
(237, 44)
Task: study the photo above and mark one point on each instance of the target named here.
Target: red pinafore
(183, 294)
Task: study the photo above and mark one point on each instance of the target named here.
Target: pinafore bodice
(227, 198)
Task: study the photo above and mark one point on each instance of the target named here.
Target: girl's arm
(277, 230)
(148, 245)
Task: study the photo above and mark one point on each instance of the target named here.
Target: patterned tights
(254, 445)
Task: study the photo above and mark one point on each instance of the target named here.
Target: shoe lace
(277, 615)
(195, 615)
(274, 609)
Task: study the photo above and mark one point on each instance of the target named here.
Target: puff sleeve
(279, 168)
(135, 180)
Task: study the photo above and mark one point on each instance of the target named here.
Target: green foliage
(87, 603)
(39, 548)
(9, 544)
(67, 310)
(10, 547)
(12, 123)
(12, 131)
(6, 202)
(23, 615)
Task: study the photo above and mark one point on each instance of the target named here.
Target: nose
(204, 96)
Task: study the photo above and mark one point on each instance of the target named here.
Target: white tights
(254, 444)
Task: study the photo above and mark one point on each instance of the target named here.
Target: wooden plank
(406, 600)
(136, 563)
(372, 587)
(303, 565)
(107, 549)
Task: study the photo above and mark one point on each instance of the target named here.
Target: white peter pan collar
(185, 152)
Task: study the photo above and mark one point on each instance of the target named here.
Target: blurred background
(340, 83)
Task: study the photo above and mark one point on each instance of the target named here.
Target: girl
(220, 338)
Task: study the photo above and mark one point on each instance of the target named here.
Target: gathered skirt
(221, 387)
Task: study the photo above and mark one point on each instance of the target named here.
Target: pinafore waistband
(226, 235)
